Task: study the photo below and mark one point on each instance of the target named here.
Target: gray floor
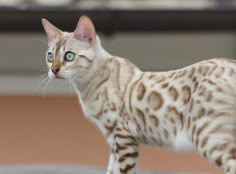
(58, 169)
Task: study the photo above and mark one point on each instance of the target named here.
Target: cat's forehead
(58, 42)
(68, 41)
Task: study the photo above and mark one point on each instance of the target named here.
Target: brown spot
(127, 168)
(180, 73)
(165, 85)
(215, 148)
(212, 70)
(173, 111)
(131, 93)
(211, 82)
(195, 86)
(141, 91)
(204, 126)
(204, 142)
(110, 128)
(188, 123)
(222, 146)
(218, 161)
(191, 105)
(150, 129)
(202, 90)
(205, 154)
(118, 129)
(220, 72)
(172, 74)
(173, 93)
(113, 107)
(184, 72)
(197, 142)
(186, 94)
(172, 120)
(120, 147)
(104, 76)
(233, 152)
(175, 131)
(192, 71)
(154, 120)
(155, 100)
(118, 75)
(209, 96)
(166, 133)
(219, 89)
(151, 76)
(231, 72)
(201, 113)
(194, 129)
(203, 70)
(141, 116)
(221, 102)
(160, 79)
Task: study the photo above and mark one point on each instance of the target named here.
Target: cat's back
(208, 80)
(216, 70)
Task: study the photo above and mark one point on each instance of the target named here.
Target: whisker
(43, 75)
(71, 87)
(41, 82)
(45, 87)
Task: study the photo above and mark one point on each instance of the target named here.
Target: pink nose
(55, 70)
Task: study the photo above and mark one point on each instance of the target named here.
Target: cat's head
(74, 53)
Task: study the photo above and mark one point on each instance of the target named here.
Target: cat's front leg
(112, 162)
(126, 150)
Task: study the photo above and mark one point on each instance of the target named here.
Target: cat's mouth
(55, 76)
(59, 77)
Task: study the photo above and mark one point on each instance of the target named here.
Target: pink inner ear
(85, 30)
(51, 31)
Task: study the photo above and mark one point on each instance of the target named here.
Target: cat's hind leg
(230, 165)
(218, 145)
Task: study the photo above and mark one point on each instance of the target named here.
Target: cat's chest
(103, 109)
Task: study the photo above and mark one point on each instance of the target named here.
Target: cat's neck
(82, 82)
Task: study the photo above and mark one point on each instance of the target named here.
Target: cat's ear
(85, 30)
(51, 30)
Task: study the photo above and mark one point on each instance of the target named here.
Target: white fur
(182, 142)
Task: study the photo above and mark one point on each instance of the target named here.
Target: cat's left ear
(85, 30)
(51, 30)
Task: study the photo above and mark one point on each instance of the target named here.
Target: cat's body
(189, 108)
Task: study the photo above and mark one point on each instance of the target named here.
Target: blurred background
(41, 120)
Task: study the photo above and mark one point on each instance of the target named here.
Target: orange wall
(43, 130)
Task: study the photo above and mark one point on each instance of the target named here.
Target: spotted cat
(189, 108)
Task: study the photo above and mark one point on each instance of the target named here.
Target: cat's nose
(55, 70)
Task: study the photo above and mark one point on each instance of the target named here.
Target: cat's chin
(57, 77)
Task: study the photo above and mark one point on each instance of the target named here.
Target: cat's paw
(110, 172)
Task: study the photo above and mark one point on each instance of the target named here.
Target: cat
(190, 108)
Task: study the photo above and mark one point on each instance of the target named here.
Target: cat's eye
(50, 57)
(69, 56)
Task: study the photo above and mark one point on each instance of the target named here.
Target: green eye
(69, 56)
(50, 57)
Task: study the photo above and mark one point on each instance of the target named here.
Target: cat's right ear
(85, 30)
(51, 30)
